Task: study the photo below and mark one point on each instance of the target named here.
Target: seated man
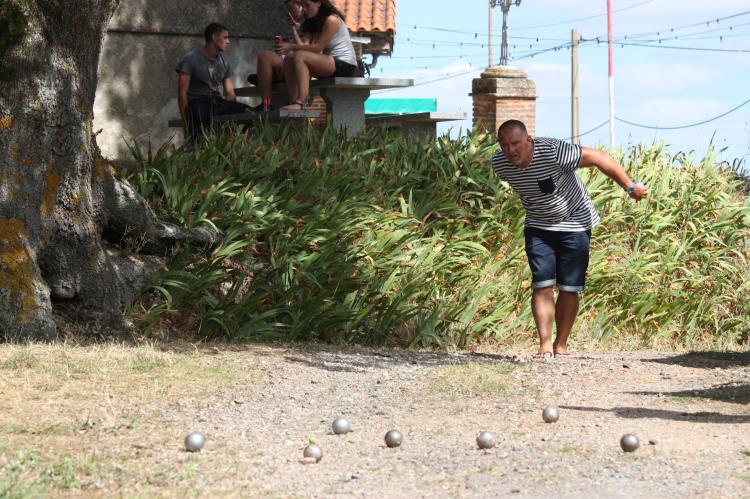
(204, 87)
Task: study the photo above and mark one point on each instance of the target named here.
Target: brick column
(503, 93)
(318, 104)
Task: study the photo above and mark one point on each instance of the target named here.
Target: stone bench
(251, 117)
(418, 125)
(345, 97)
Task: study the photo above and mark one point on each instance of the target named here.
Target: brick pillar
(503, 93)
(318, 104)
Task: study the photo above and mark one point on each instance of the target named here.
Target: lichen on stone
(16, 269)
(50, 191)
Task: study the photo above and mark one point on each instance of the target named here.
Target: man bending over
(559, 219)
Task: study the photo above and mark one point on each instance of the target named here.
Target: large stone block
(252, 18)
(505, 82)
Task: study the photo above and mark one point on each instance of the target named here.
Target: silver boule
(313, 451)
(194, 441)
(629, 442)
(550, 414)
(485, 440)
(393, 438)
(341, 426)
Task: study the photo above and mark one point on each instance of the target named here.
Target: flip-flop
(562, 354)
(543, 356)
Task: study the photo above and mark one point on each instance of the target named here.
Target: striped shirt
(551, 191)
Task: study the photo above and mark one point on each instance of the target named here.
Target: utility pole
(575, 123)
(491, 55)
(505, 6)
(611, 79)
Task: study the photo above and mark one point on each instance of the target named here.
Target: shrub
(382, 240)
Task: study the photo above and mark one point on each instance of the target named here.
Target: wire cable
(673, 47)
(683, 126)
(588, 131)
(427, 82)
(581, 18)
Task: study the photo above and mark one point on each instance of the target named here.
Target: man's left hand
(639, 192)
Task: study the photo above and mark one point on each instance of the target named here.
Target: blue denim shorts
(558, 258)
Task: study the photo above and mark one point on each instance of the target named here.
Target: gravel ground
(690, 411)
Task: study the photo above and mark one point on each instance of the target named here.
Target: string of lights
(485, 33)
(536, 48)
(657, 33)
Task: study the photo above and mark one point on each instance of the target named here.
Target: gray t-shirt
(206, 75)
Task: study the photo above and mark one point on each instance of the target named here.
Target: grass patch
(27, 473)
(572, 449)
(745, 452)
(473, 379)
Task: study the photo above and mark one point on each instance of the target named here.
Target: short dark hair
(510, 125)
(214, 29)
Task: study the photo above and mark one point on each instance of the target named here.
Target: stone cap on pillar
(504, 81)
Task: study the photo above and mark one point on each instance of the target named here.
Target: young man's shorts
(558, 258)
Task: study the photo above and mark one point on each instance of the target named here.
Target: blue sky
(654, 86)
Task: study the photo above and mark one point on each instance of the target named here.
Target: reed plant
(378, 239)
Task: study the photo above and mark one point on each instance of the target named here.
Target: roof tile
(369, 15)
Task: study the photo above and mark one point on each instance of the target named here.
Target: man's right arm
(183, 83)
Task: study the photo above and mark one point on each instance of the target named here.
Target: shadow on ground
(706, 360)
(646, 413)
(357, 362)
(345, 359)
(736, 393)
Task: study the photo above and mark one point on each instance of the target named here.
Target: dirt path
(110, 420)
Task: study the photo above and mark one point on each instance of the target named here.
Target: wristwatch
(631, 188)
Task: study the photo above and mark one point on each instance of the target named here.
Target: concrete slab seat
(420, 125)
(345, 97)
(251, 117)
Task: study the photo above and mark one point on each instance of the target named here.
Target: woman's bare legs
(290, 77)
(299, 67)
(270, 65)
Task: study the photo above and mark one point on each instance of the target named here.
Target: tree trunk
(59, 199)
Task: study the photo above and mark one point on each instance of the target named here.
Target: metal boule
(629, 442)
(341, 426)
(313, 451)
(550, 414)
(393, 438)
(194, 441)
(485, 440)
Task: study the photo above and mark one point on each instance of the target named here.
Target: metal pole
(489, 40)
(505, 6)
(575, 123)
(611, 80)
(504, 50)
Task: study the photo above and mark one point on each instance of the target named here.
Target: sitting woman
(326, 51)
(270, 65)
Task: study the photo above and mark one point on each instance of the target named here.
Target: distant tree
(63, 212)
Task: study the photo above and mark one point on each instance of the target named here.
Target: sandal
(562, 355)
(299, 103)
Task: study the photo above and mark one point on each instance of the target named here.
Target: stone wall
(137, 90)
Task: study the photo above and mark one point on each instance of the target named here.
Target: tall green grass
(382, 240)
